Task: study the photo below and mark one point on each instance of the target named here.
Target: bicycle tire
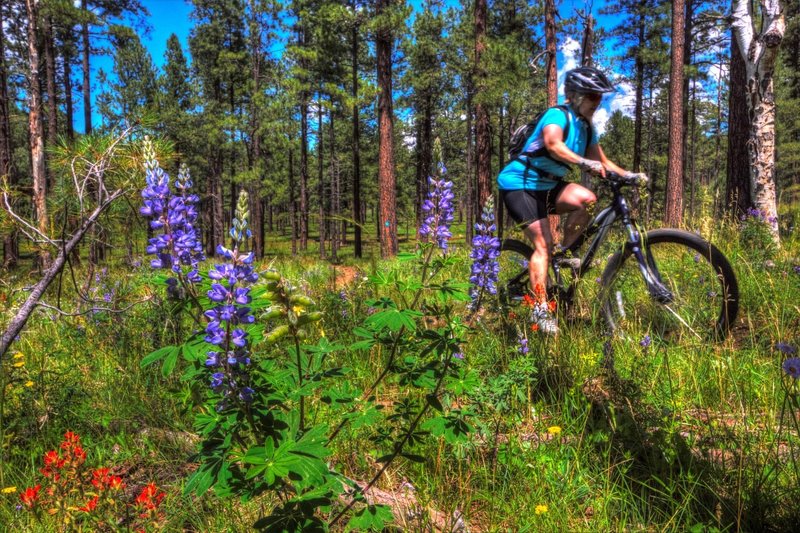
(700, 277)
(513, 283)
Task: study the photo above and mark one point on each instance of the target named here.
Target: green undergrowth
(577, 435)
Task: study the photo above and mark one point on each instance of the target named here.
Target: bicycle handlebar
(632, 179)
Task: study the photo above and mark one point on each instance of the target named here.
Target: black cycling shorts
(526, 206)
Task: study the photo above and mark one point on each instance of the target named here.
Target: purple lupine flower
(791, 367)
(437, 209)
(178, 245)
(796, 269)
(458, 355)
(645, 342)
(785, 349)
(230, 294)
(522, 344)
(485, 251)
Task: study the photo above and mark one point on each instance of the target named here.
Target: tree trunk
(760, 53)
(357, 218)
(737, 189)
(52, 92)
(303, 155)
(10, 244)
(70, 114)
(320, 178)
(673, 212)
(482, 140)
(292, 203)
(587, 46)
(17, 323)
(386, 179)
(36, 130)
(552, 85)
(87, 90)
(334, 185)
(470, 192)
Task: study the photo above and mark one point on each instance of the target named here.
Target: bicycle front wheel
(705, 295)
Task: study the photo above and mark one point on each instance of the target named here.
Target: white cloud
(600, 120)
(570, 52)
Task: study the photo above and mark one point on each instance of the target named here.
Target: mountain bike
(666, 282)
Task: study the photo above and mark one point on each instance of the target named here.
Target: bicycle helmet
(584, 80)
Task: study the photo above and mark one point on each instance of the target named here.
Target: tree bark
(587, 46)
(320, 178)
(17, 323)
(386, 179)
(482, 140)
(87, 88)
(357, 218)
(673, 212)
(292, 203)
(737, 189)
(70, 114)
(552, 85)
(50, 73)
(10, 244)
(471, 164)
(760, 54)
(36, 128)
(303, 156)
(333, 163)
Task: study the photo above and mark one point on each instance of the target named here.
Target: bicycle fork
(647, 265)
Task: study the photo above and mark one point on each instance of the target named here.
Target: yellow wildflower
(540, 509)
(18, 364)
(8, 490)
(18, 355)
(554, 430)
(29, 383)
(298, 309)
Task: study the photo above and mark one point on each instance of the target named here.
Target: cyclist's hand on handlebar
(638, 178)
(592, 166)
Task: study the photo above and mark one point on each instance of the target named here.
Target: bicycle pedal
(570, 262)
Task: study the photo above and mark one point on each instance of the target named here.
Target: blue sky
(172, 16)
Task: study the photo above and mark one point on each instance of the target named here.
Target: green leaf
(157, 355)
(169, 362)
(434, 402)
(404, 257)
(371, 517)
(394, 319)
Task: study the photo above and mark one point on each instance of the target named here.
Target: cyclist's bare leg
(539, 234)
(575, 200)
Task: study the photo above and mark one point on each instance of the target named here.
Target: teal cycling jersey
(522, 173)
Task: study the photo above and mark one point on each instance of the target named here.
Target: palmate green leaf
(157, 355)
(370, 518)
(394, 319)
(466, 382)
(453, 427)
(304, 459)
(450, 290)
(169, 362)
(203, 478)
(365, 417)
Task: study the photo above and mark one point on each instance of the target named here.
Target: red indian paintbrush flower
(30, 496)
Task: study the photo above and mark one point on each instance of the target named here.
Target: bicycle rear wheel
(513, 280)
(703, 285)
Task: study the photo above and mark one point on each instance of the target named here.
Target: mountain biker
(532, 185)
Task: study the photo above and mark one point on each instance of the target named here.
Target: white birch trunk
(760, 53)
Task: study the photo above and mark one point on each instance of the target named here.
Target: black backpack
(520, 137)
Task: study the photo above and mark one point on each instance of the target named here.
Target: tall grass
(673, 437)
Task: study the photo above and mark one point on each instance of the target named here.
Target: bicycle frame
(599, 227)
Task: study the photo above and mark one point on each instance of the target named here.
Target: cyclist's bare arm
(553, 137)
(596, 152)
